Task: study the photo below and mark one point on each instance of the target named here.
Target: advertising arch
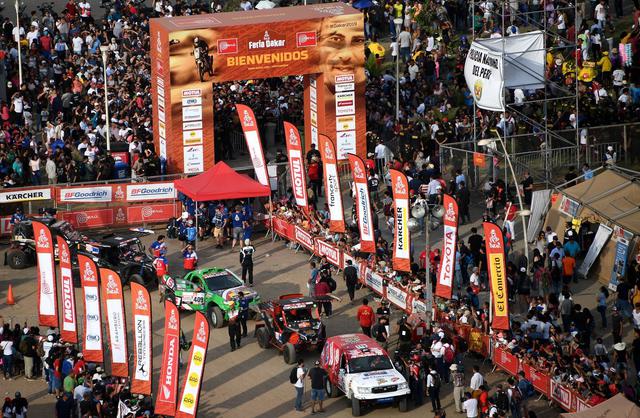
(322, 42)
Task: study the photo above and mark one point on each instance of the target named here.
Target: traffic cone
(10, 299)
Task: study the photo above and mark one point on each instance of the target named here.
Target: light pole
(104, 49)
(17, 4)
(522, 213)
(398, 23)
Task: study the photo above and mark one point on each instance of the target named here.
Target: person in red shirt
(365, 317)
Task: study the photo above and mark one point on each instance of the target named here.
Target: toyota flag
(363, 204)
(332, 184)
(69, 331)
(254, 145)
(296, 164)
(47, 293)
(117, 329)
(188, 404)
(494, 243)
(141, 304)
(168, 386)
(444, 286)
(401, 237)
(92, 347)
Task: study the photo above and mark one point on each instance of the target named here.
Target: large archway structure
(323, 42)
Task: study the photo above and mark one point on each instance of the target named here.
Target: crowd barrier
(477, 341)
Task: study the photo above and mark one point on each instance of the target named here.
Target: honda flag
(332, 184)
(296, 164)
(168, 386)
(114, 310)
(47, 293)
(494, 243)
(444, 285)
(254, 145)
(188, 406)
(401, 237)
(92, 346)
(69, 331)
(363, 204)
(141, 303)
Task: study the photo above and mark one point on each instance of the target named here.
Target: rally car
(291, 324)
(212, 290)
(358, 367)
(22, 247)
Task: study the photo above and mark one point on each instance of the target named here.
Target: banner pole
(271, 217)
(429, 292)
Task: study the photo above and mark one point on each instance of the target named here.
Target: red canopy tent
(221, 182)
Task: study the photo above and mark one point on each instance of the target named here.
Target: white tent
(616, 407)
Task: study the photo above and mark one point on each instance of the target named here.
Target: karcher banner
(483, 71)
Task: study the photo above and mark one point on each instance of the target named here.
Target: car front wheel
(262, 335)
(216, 317)
(332, 390)
(17, 259)
(403, 404)
(289, 353)
(355, 407)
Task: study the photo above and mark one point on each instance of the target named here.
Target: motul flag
(69, 330)
(112, 297)
(188, 406)
(168, 386)
(363, 205)
(296, 164)
(254, 145)
(494, 244)
(401, 237)
(444, 285)
(92, 346)
(47, 293)
(332, 184)
(141, 304)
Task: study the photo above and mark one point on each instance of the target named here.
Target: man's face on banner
(341, 48)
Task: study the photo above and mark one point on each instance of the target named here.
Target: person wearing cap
(350, 274)
(610, 156)
(246, 261)
(20, 406)
(620, 356)
(17, 217)
(190, 258)
(318, 377)
(457, 377)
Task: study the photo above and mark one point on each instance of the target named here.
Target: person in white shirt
(433, 388)
(405, 45)
(636, 316)
(7, 358)
(618, 77)
(474, 279)
(246, 5)
(476, 380)
(299, 385)
(77, 44)
(85, 10)
(470, 406)
(601, 14)
(383, 154)
(32, 34)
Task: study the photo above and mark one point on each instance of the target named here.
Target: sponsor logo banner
(254, 145)
(296, 164)
(365, 224)
(47, 293)
(561, 395)
(193, 159)
(150, 213)
(69, 323)
(89, 218)
(117, 332)
(141, 307)
(506, 361)
(497, 275)
(397, 296)
(94, 194)
(305, 39)
(92, 347)
(228, 46)
(304, 238)
(168, 385)
(374, 281)
(444, 286)
(188, 401)
(401, 237)
(150, 191)
(332, 184)
(332, 253)
(26, 195)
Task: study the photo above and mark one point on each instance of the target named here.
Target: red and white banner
(92, 344)
(116, 330)
(93, 194)
(150, 213)
(296, 165)
(505, 360)
(188, 404)
(47, 292)
(254, 145)
(168, 385)
(324, 249)
(304, 238)
(444, 286)
(332, 184)
(562, 395)
(401, 237)
(141, 306)
(398, 297)
(494, 243)
(69, 330)
(540, 381)
(374, 281)
(150, 191)
(90, 218)
(363, 204)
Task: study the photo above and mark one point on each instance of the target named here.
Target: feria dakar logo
(266, 42)
(173, 321)
(112, 286)
(202, 334)
(43, 240)
(247, 120)
(494, 241)
(399, 188)
(450, 213)
(358, 171)
(119, 194)
(141, 302)
(328, 151)
(293, 138)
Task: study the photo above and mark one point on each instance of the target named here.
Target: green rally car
(212, 290)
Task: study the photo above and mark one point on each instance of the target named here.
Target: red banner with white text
(69, 329)
(505, 360)
(113, 300)
(304, 238)
(401, 237)
(254, 145)
(494, 243)
(141, 306)
(188, 401)
(324, 249)
(92, 347)
(331, 184)
(444, 286)
(168, 385)
(47, 292)
(363, 204)
(296, 165)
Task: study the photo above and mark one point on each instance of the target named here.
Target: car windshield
(68, 231)
(221, 280)
(296, 315)
(369, 364)
(131, 248)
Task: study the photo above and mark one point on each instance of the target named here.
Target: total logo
(267, 42)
